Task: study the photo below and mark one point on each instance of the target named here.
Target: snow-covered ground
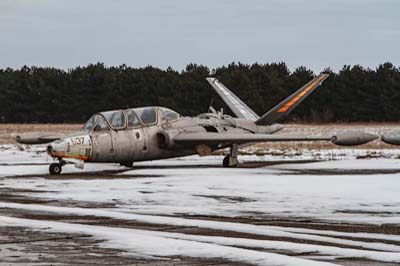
(204, 195)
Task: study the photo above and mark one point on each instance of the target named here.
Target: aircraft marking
(298, 96)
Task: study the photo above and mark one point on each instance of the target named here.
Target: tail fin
(237, 106)
(283, 109)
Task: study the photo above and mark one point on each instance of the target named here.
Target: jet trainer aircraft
(151, 133)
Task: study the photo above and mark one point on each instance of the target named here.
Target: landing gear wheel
(55, 168)
(227, 162)
(126, 164)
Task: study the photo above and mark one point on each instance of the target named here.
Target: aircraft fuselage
(150, 141)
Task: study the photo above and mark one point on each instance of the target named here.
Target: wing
(193, 139)
(37, 138)
(237, 106)
(224, 139)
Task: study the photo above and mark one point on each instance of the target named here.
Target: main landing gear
(231, 159)
(56, 168)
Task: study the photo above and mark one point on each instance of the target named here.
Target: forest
(47, 95)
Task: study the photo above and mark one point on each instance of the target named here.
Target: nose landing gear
(56, 168)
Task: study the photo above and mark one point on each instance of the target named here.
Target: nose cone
(57, 149)
(391, 138)
(353, 138)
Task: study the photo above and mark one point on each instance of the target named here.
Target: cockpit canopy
(129, 118)
(115, 118)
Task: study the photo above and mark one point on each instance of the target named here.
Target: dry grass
(9, 131)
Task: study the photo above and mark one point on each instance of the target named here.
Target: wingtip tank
(392, 138)
(35, 138)
(353, 138)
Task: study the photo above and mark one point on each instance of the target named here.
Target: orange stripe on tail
(298, 96)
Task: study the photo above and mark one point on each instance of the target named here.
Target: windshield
(89, 124)
(95, 122)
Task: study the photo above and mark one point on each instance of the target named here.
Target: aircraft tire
(226, 162)
(126, 164)
(55, 168)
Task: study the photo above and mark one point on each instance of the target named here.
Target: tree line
(38, 94)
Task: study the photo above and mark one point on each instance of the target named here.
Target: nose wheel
(56, 168)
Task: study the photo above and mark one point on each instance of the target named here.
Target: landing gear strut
(56, 168)
(231, 159)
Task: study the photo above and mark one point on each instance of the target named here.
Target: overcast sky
(162, 33)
